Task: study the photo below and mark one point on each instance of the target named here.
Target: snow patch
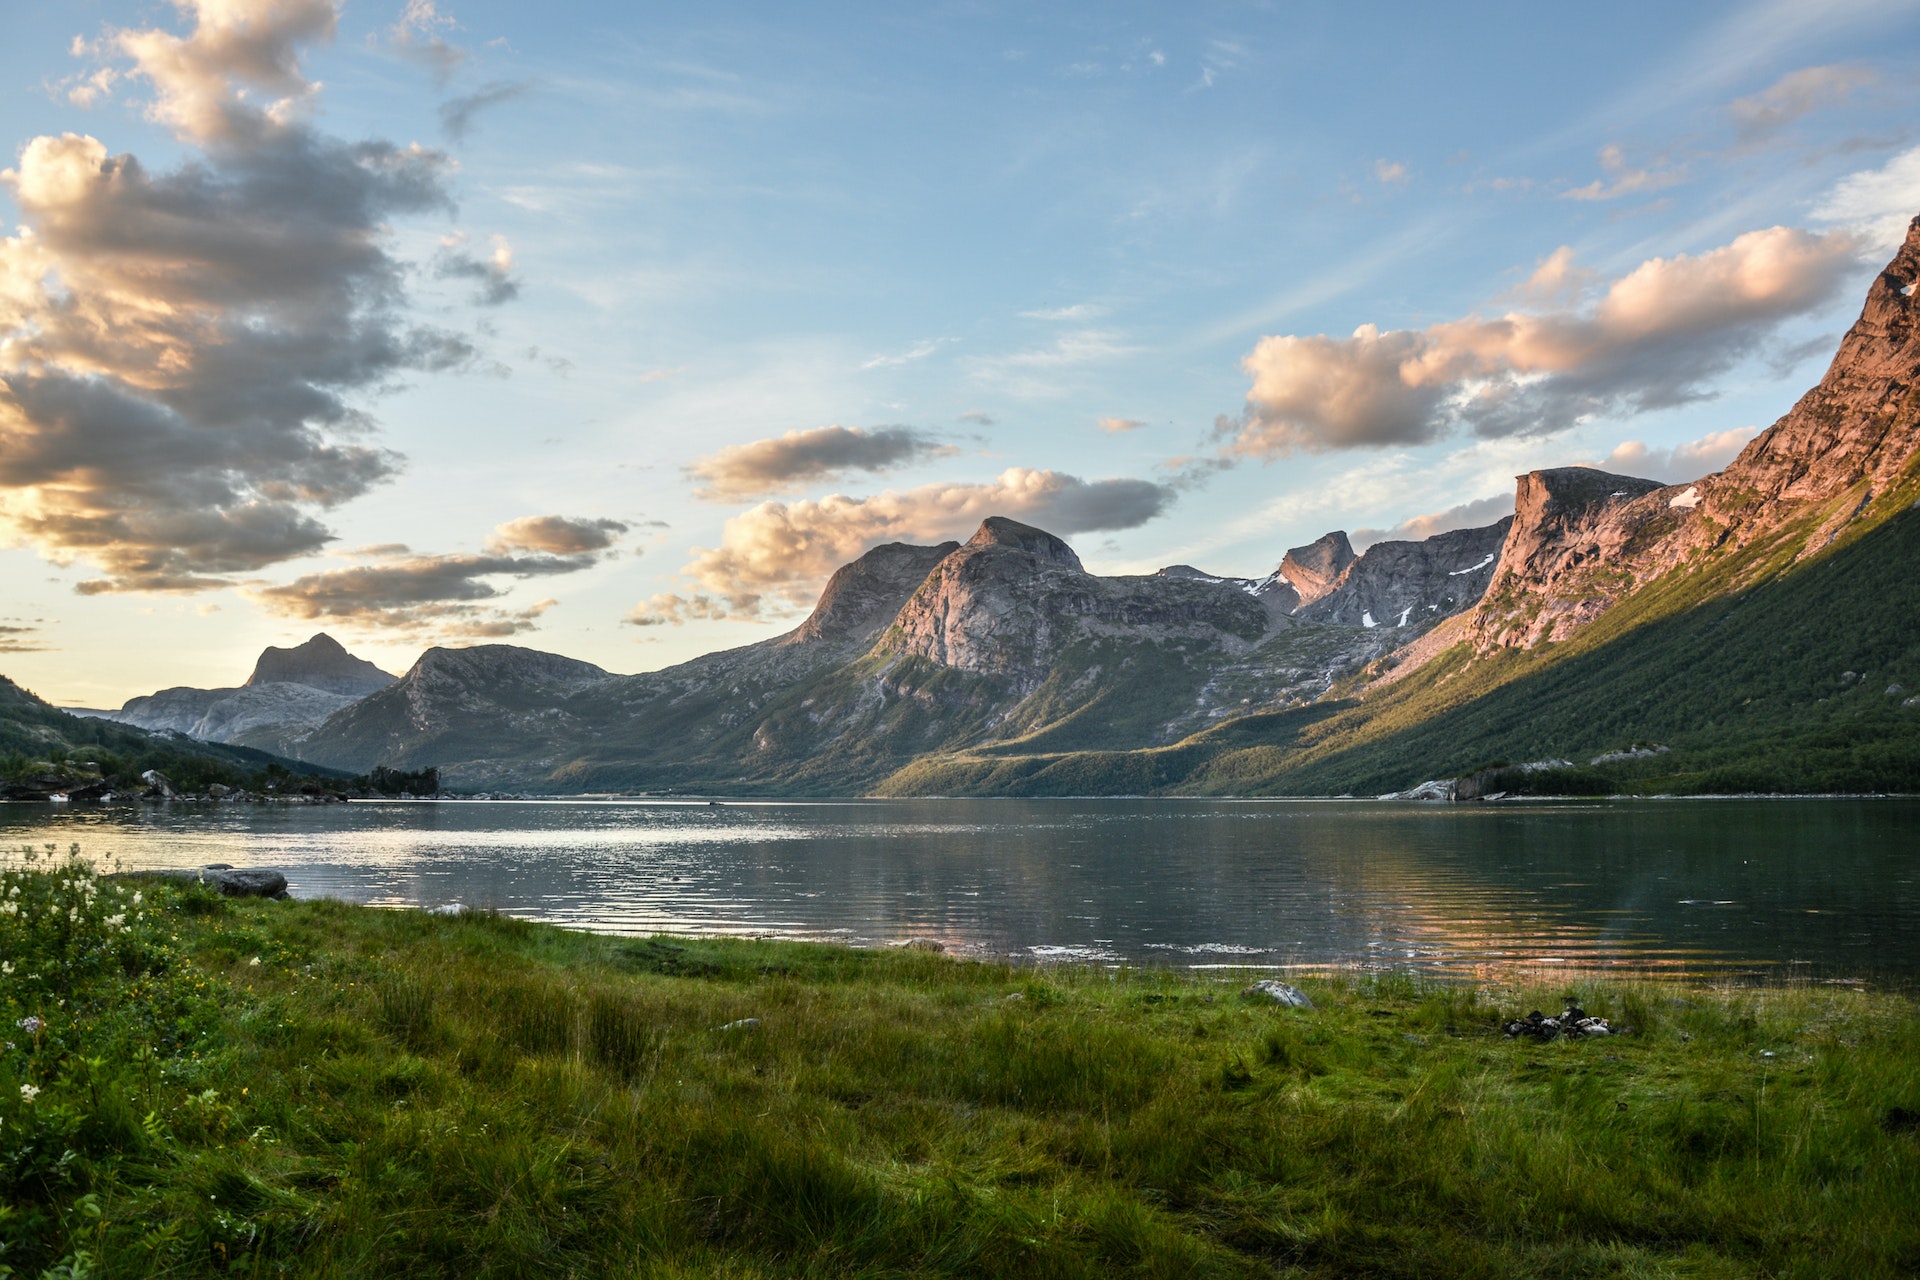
(1907, 292)
(1403, 616)
(1691, 498)
(1366, 620)
(1474, 568)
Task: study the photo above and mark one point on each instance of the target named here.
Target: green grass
(393, 1093)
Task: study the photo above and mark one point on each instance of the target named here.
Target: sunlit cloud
(1654, 338)
(774, 558)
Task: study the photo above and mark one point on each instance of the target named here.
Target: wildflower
(6, 966)
(254, 963)
(31, 1024)
(118, 921)
(28, 1093)
(136, 898)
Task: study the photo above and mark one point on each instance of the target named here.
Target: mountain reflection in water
(1821, 887)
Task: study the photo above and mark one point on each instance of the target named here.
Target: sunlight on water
(1821, 888)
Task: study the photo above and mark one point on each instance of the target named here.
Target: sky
(611, 330)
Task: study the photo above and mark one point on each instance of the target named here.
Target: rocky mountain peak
(500, 663)
(320, 663)
(1314, 569)
(998, 531)
(862, 597)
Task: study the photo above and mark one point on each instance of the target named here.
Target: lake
(1828, 889)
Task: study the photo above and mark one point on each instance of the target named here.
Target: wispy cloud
(919, 351)
(1624, 179)
(797, 459)
(457, 115)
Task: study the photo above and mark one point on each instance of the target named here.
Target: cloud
(774, 557)
(181, 351)
(555, 535)
(1077, 312)
(1654, 338)
(919, 351)
(1624, 180)
(1391, 173)
(457, 114)
(1687, 461)
(1796, 94)
(494, 273)
(1878, 203)
(978, 417)
(1115, 426)
(1477, 514)
(417, 38)
(798, 458)
(21, 639)
(396, 589)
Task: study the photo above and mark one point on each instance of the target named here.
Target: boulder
(233, 882)
(1279, 992)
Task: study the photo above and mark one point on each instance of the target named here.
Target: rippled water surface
(1828, 888)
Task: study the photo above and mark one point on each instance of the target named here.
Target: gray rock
(159, 783)
(741, 1024)
(1279, 992)
(233, 882)
(923, 944)
(1895, 690)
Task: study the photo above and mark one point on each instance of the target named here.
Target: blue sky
(1023, 258)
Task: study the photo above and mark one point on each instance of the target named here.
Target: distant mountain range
(1756, 629)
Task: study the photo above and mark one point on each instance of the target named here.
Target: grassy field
(198, 1087)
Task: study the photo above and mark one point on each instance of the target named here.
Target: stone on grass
(1280, 993)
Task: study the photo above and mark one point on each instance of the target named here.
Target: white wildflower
(31, 1024)
(28, 1093)
(136, 898)
(254, 963)
(117, 922)
(6, 966)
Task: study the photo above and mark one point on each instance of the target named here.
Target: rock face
(321, 663)
(1314, 570)
(862, 597)
(1014, 596)
(1842, 458)
(1412, 584)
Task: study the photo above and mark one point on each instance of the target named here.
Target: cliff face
(1009, 600)
(1844, 457)
(1412, 584)
(862, 597)
(1314, 570)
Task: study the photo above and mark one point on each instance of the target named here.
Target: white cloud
(919, 351)
(1653, 339)
(1688, 461)
(1115, 426)
(1624, 179)
(1877, 204)
(1391, 173)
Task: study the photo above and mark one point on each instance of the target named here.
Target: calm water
(1823, 888)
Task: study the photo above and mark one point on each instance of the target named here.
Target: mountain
(46, 751)
(1756, 629)
(1003, 644)
(290, 691)
(321, 663)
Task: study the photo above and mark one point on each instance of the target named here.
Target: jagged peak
(1313, 570)
(998, 531)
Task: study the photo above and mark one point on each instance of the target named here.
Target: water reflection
(1696, 887)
